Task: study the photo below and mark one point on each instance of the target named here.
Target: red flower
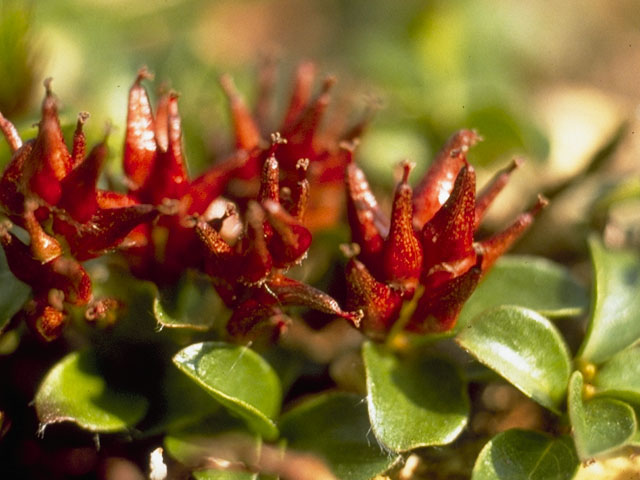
(429, 243)
(44, 181)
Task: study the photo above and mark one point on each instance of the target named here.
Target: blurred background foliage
(554, 83)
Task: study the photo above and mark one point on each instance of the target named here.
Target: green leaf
(526, 455)
(532, 282)
(615, 313)
(600, 424)
(336, 428)
(191, 304)
(221, 436)
(523, 347)
(13, 292)
(413, 402)
(620, 376)
(75, 391)
(238, 378)
(223, 475)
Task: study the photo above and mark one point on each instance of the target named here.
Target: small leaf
(220, 436)
(600, 424)
(238, 378)
(615, 314)
(336, 428)
(191, 304)
(526, 281)
(523, 347)
(620, 376)
(415, 402)
(526, 455)
(223, 475)
(74, 391)
(13, 292)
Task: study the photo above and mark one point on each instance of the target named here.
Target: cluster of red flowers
(428, 246)
(283, 190)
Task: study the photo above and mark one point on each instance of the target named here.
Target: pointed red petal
(488, 194)
(379, 303)
(10, 133)
(168, 178)
(290, 240)
(448, 236)
(11, 197)
(257, 261)
(300, 191)
(139, 144)
(247, 133)
(438, 309)
(434, 189)
(50, 160)
(305, 74)
(79, 141)
(292, 292)
(301, 134)
(212, 183)
(44, 248)
(368, 225)
(493, 247)
(402, 252)
(269, 181)
(107, 228)
(79, 195)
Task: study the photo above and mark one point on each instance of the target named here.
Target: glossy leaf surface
(413, 402)
(526, 281)
(615, 313)
(74, 390)
(526, 455)
(336, 428)
(600, 424)
(192, 305)
(238, 378)
(620, 376)
(523, 347)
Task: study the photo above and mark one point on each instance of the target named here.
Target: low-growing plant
(215, 316)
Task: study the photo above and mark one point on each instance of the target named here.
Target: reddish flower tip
(247, 132)
(402, 252)
(10, 133)
(436, 186)
(488, 194)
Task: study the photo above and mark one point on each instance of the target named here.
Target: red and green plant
(193, 310)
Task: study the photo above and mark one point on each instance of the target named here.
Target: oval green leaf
(531, 282)
(600, 424)
(75, 391)
(526, 455)
(336, 428)
(415, 402)
(525, 348)
(13, 292)
(191, 304)
(238, 378)
(620, 376)
(615, 312)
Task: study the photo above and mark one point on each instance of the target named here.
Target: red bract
(430, 243)
(302, 137)
(45, 184)
(249, 275)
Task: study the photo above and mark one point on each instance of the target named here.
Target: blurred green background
(555, 82)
